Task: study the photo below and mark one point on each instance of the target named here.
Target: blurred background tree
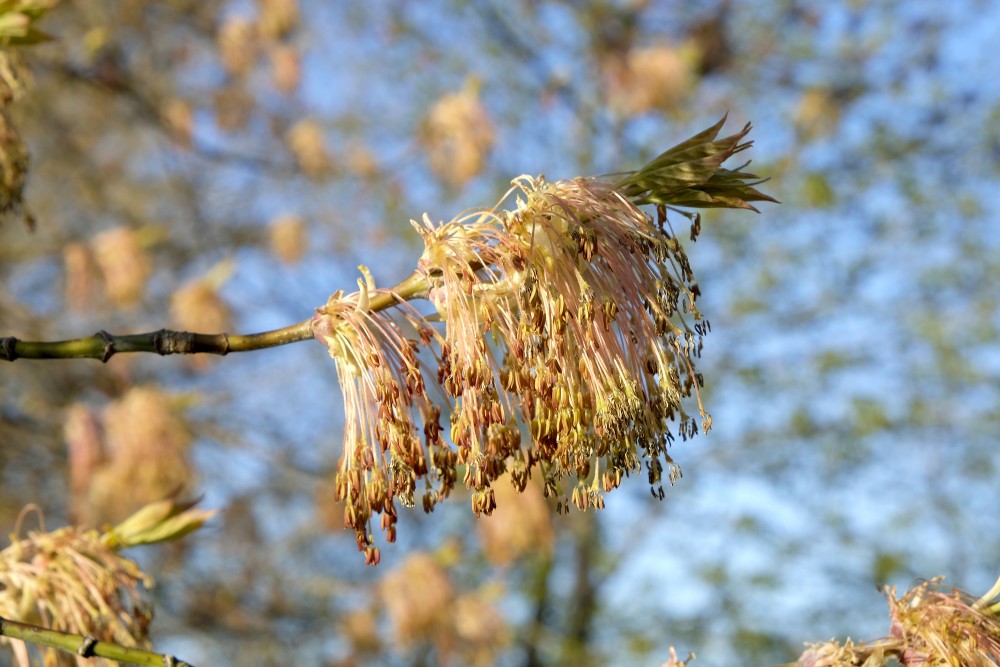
(226, 165)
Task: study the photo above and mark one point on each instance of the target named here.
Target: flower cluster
(568, 347)
(565, 315)
(70, 580)
(76, 581)
(928, 627)
(383, 384)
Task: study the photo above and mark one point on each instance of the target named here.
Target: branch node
(9, 352)
(173, 342)
(169, 661)
(225, 344)
(109, 345)
(86, 649)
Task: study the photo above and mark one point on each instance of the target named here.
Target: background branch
(84, 646)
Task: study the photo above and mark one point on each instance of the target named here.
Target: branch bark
(103, 345)
(85, 646)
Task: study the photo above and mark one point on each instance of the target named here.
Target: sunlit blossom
(567, 343)
(565, 314)
(383, 387)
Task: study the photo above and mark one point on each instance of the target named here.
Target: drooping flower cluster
(76, 581)
(383, 385)
(570, 334)
(565, 315)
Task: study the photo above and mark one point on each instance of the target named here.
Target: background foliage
(225, 166)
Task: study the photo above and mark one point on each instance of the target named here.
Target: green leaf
(160, 521)
(690, 174)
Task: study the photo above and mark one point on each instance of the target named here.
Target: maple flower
(566, 314)
(606, 345)
(570, 335)
(382, 384)
(69, 580)
(463, 265)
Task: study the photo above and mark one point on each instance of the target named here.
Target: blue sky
(853, 370)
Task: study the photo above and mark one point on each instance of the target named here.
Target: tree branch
(86, 646)
(103, 345)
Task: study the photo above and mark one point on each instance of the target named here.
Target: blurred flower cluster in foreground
(568, 345)
(76, 581)
(18, 20)
(928, 627)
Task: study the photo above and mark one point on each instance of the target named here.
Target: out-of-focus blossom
(818, 113)
(232, 106)
(361, 161)
(81, 277)
(458, 134)
(288, 238)
(198, 306)
(307, 142)
(651, 78)
(277, 18)
(147, 438)
(85, 452)
(179, 118)
(237, 44)
(286, 67)
(423, 607)
(70, 580)
(520, 526)
(124, 264)
(360, 627)
(480, 631)
(418, 597)
(142, 456)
